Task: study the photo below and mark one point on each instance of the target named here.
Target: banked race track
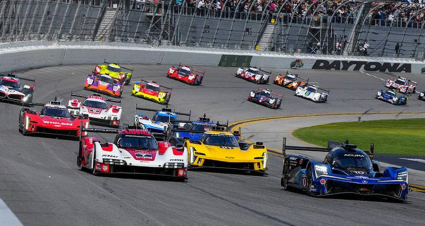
(40, 181)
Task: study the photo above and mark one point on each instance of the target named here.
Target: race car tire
(93, 162)
(309, 174)
(80, 166)
(22, 126)
(267, 81)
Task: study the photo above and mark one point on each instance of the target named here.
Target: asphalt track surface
(40, 182)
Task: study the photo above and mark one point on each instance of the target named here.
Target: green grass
(401, 137)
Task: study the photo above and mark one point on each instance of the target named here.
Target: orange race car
(291, 81)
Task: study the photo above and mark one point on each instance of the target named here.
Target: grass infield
(400, 136)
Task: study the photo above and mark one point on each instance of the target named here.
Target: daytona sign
(357, 65)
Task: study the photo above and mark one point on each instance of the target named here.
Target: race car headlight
(25, 99)
(89, 81)
(191, 77)
(271, 101)
(403, 176)
(161, 95)
(379, 93)
(122, 75)
(114, 162)
(136, 88)
(320, 170)
(116, 88)
(422, 94)
(252, 94)
(192, 155)
(395, 98)
(258, 77)
(265, 160)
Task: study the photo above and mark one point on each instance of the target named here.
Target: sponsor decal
(110, 156)
(176, 160)
(230, 157)
(354, 155)
(344, 65)
(58, 123)
(234, 61)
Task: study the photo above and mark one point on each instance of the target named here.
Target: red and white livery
(402, 84)
(134, 151)
(186, 74)
(53, 119)
(96, 108)
(254, 74)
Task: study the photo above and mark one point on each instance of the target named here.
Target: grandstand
(390, 28)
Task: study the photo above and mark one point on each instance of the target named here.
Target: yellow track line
(239, 124)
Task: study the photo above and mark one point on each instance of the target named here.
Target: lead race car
(345, 170)
(133, 151)
(266, 97)
(53, 119)
(152, 91)
(254, 74)
(162, 119)
(392, 97)
(104, 84)
(114, 70)
(186, 74)
(12, 90)
(403, 85)
(313, 93)
(219, 148)
(290, 81)
(96, 108)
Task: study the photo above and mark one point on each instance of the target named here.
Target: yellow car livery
(151, 91)
(220, 149)
(114, 70)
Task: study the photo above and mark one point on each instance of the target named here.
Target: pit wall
(29, 55)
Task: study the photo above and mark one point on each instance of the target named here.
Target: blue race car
(345, 170)
(266, 97)
(160, 121)
(391, 96)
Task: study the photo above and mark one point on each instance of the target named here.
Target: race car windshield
(10, 84)
(220, 140)
(113, 69)
(263, 93)
(184, 71)
(152, 87)
(164, 118)
(391, 93)
(200, 127)
(290, 77)
(141, 143)
(55, 112)
(352, 161)
(310, 89)
(106, 79)
(95, 104)
(400, 82)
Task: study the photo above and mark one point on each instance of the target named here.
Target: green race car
(114, 70)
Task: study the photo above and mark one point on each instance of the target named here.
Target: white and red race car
(402, 84)
(96, 108)
(12, 90)
(134, 151)
(254, 74)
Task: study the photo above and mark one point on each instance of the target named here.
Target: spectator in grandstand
(338, 47)
(397, 49)
(365, 47)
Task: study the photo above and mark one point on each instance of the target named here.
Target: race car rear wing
(331, 145)
(192, 68)
(106, 62)
(158, 136)
(164, 110)
(95, 94)
(324, 90)
(273, 93)
(267, 72)
(158, 84)
(14, 76)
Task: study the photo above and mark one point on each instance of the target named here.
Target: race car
(96, 108)
(186, 74)
(151, 91)
(391, 96)
(402, 84)
(219, 148)
(423, 70)
(103, 84)
(134, 151)
(12, 90)
(192, 130)
(345, 170)
(114, 70)
(266, 97)
(53, 119)
(422, 95)
(254, 74)
(161, 120)
(291, 81)
(313, 93)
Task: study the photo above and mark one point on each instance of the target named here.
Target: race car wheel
(94, 162)
(309, 174)
(284, 183)
(22, 125)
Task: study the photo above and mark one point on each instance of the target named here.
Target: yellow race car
(114, 70)
(219, 148)
(151, 91)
